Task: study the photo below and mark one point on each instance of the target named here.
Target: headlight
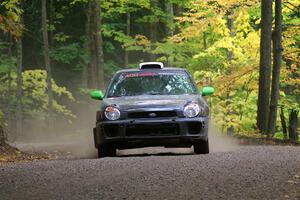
(193, 110)
(112, 113)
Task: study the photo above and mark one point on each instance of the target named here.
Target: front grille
(166, 129)
(194, 127)
(151, 114)
(111, 130)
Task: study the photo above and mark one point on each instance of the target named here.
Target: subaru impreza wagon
(151, 106)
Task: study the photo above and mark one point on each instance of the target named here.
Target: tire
(201, 147)
(106, 151)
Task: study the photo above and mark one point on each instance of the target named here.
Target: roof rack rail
(151, 65)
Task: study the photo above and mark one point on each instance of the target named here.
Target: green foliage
(72, 54)
(110, 68)
(203, 43)
(35, 87)
(5, 62)
(10, 20)
(3, 122)
(279, 136)
(235, 78)
(35, 99)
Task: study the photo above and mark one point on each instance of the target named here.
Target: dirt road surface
(249, 172)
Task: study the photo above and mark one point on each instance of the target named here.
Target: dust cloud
(76, 140)
(67, 140)
(220, 142)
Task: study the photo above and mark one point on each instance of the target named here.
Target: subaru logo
(152, 114)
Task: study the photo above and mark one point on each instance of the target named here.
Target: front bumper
(151, 132)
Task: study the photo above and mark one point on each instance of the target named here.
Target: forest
(54, 52)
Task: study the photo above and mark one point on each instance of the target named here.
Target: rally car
(151, 106)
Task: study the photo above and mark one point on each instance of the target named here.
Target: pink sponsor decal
(141, 74)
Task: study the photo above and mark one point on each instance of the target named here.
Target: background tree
(19, 93)
(277, 57)
(263, 102)
(47, 64)
(99, 46)
(218, 42)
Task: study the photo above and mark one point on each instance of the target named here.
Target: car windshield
(151, 83)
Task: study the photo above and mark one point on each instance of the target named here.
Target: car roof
(156, 70)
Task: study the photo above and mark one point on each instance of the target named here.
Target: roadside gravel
(249, 172)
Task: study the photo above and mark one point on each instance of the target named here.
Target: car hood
(153, 101)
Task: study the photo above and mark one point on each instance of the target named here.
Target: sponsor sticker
(141, 74)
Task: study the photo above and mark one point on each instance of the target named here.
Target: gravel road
(249, 172)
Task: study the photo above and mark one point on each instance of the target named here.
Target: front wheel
(106, 151)
(201, 147)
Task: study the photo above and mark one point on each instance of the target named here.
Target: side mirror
(97, 94)
(206, 91)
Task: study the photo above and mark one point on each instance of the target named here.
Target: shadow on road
(158, 154)
(154, 151)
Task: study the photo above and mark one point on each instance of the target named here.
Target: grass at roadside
(248, 140)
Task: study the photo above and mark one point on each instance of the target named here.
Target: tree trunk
(84, 76)
(283, 123)
(96, 66)
(2, 135)
(169, 27)
(277, 56)
(178, 12)
(204, 40)
(47, 65)
(92, 52)
(126, 56)
(170, 18)
(99, 46)
(19, 111)
(265, 66)
(153, 32)
(293, 119)
(230, 26)
(51, 11)
(9, 89)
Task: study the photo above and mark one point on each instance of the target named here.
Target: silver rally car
(151, 106)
